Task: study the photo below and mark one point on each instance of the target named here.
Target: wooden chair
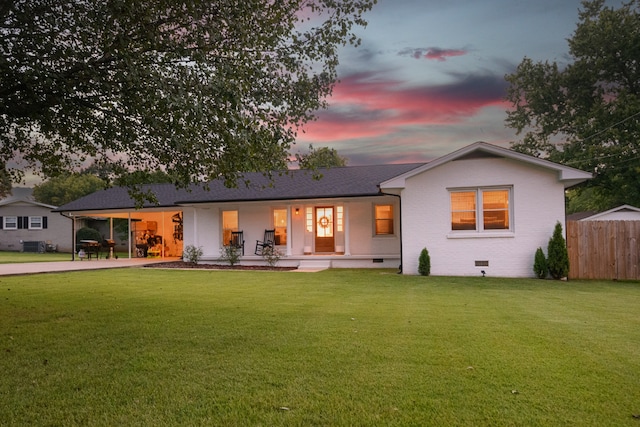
(237, 240)
(266, 242)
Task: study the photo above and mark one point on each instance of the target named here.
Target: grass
(339, 347)
(9, 257)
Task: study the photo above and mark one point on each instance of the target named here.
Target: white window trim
(480, 232)
(31, 227)
(393, 218)
(6, 221)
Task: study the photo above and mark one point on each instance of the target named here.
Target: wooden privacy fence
(604, 249)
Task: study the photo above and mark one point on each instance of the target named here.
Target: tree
(540, 264)
(557, 254)
(324, 157)
(5, 182)
(587, 114)
(63, 189)
(199, 89)
(424, 263)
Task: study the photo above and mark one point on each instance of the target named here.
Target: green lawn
(8, 257)
(339, 347)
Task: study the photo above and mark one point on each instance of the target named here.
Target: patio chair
(237, 240)
(266, 242)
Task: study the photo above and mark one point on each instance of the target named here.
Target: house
(481, 208)
(620, 213)
(27, 225)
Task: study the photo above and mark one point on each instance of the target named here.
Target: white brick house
(513, 203)
(481, 208)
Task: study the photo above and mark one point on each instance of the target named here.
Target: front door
(325, 241)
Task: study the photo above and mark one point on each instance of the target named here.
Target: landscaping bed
(190, 265)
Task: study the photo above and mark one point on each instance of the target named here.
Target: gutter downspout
(73, 234)
(399, 216)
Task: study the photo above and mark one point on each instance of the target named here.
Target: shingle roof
(350, 181)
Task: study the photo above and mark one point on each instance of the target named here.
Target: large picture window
(383, 219)
(481, 209)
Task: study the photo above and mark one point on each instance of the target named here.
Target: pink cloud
(435, 53)
(442, 54)
(363, 107)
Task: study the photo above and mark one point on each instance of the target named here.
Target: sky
(428, 77)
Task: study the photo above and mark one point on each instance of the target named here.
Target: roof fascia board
(619, 208)
(570, 176)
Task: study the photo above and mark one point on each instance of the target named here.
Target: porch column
(129, 233)
(164, 236)
(195, 228)
(289, 228)
(73, 237)
(347, 231)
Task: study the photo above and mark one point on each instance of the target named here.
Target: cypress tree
(540, 264)
(557, 255)
(424, 263)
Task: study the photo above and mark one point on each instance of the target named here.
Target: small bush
(88, 233)
(230, 254)
(192, 254)
(272, 255)
(557, 255)
(540, 264)
(424, 263)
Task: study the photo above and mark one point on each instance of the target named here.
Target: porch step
(322, 264)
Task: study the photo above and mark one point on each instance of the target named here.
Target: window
(280, 225)
(35, 223)
(10, 223)
(229, 224)
(340, 218)
(482, 209)
(383, 219)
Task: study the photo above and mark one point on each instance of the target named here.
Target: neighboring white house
(29, 225)
(481, 208)
(621, 213)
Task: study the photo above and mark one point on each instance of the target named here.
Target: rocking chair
(267, 242)
(237, 240)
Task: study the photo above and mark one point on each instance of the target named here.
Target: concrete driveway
(51, 267)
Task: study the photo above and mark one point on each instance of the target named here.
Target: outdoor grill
(109, 244)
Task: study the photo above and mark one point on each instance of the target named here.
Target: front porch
(319, 261)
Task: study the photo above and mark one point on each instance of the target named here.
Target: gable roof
(23, 195)
(568, 175)
(348, 181)
(623, 208)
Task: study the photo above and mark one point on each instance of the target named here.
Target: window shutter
(44, 222)
(1, 223)
(20, 224)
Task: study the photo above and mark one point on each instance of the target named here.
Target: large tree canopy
(66, 188)
(324, 157)
(200, 88)
(587, 114)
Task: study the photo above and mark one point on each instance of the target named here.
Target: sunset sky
(429, 76)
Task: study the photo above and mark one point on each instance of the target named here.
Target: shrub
(540, 264)
(557, 255)
(192, 254)
(271, 255)
(230, 254)
(424, 263)
(88, 233)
